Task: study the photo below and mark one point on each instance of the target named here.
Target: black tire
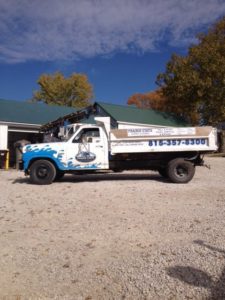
(180, 170)
(42, 172)
(59, 175)
(163, 172)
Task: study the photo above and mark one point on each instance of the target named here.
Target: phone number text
(177, 142)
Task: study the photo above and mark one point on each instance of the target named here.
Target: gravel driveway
(113, 236)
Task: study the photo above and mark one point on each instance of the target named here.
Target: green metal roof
(39, 113)
(131, 114)
(31, 113)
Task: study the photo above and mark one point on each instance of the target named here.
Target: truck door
(88, 149)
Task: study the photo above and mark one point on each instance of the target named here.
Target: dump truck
(172, 151)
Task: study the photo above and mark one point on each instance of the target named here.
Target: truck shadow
(101, 177)
(199, 278)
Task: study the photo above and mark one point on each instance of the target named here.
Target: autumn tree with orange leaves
(151, 100)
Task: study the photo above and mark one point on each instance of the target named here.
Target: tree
(151, 100)
(73, 91)
(194, 85)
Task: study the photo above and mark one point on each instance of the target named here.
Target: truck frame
(172, 151)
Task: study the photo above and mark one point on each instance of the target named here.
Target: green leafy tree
(194, 85)
(73, 91)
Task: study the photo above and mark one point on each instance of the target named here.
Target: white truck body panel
(166, 139)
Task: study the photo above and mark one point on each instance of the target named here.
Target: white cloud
(48, 30)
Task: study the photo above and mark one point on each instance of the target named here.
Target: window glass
(87, 135)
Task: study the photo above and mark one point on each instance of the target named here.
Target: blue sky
(120, 44)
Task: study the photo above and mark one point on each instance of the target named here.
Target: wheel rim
(181, 171)
(42, 172)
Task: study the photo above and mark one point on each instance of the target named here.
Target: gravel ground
(113, 236)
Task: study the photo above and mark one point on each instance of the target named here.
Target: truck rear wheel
(180, 170)
(42, 172)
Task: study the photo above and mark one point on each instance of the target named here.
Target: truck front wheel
(180, 170)
(42, 172)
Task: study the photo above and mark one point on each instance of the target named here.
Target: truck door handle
(99, 146)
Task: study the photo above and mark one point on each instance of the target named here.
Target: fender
(44, 151)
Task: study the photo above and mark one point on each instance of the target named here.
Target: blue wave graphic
(33, 151)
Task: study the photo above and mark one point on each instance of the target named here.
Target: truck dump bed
(169, 139)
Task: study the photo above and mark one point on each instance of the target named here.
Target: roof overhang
(16, 124)
(21, 127)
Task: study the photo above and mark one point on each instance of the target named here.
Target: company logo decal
(85, 156)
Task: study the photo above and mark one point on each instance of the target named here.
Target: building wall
(3, 137)
(132, 125)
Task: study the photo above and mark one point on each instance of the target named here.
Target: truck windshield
(87, 135)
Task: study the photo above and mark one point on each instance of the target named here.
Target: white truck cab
(88, 148)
